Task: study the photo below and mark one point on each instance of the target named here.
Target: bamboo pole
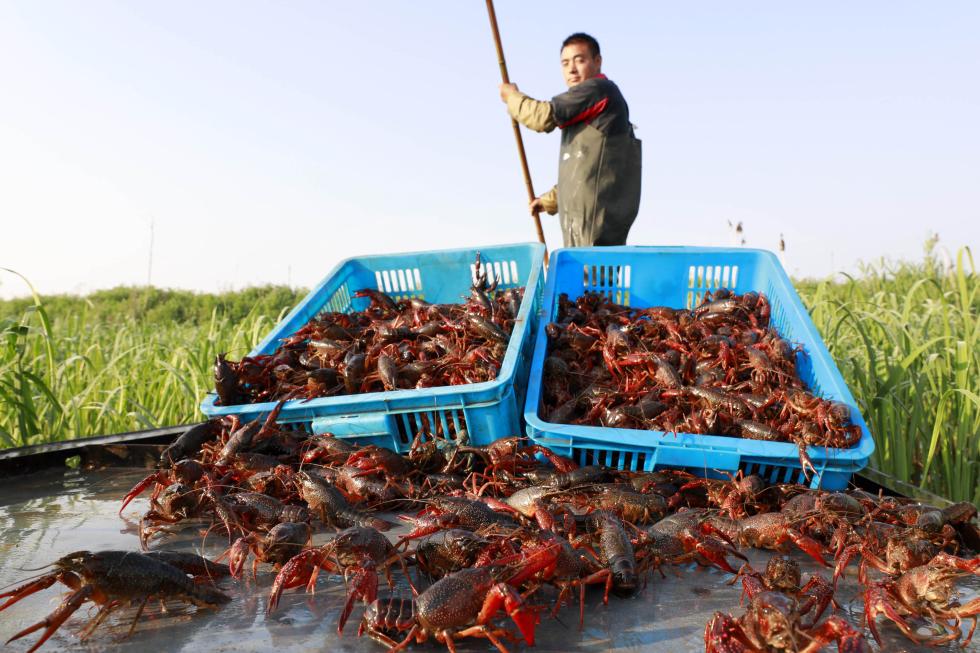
(517, 130)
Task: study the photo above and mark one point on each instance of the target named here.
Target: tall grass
(110, 365)
(905, 336)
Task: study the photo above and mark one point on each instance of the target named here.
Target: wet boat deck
(50, 513)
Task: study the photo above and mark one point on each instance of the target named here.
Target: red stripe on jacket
(588, 114)
(592, 111)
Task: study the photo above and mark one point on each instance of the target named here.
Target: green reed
(905, 337)
(106, 367)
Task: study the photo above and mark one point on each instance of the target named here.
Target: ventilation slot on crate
(629, 461)
(804, 367)
(775, 474)
(640, 460)
(584, 457)
(708, 278)
(445, 424)
(406, 427)
(400, 284)
(612, 459)
(295, 427)
(505, 273)
(448, 423)
(613, 281)
(340, 302)
(778, 318)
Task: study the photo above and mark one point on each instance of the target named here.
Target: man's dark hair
(582, 37)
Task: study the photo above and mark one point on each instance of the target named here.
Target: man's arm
(538, 116)
(533, 114)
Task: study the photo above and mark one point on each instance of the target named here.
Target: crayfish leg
(809, 471)
(400, 557)
(98, 619)
(969, 635)
(877, 602)
(139, 612)
(724, 633)
(819, 595)
(480, 631)
(970, 565)
(408, 639)
(364, 586)
(504, 596)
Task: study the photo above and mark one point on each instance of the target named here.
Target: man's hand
(506, 90)
(536, 206)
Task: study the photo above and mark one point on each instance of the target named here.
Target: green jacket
(598, 192)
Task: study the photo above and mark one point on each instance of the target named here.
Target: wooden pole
(517, 129)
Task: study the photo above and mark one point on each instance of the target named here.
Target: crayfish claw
(53, 621)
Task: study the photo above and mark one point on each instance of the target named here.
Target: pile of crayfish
(514, 528)
(391, 345)
(719, 369)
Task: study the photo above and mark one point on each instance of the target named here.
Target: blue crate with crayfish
(485, 411)
(679, 277)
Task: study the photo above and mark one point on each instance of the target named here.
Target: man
(598, 191)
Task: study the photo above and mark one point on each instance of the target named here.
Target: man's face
(578, 64)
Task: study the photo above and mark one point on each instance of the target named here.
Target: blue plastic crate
(487, 411)
(678, 277)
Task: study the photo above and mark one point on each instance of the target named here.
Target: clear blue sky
(267, 141)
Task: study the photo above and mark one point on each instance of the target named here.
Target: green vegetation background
(904, 334)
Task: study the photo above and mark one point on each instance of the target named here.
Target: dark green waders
(598, 186)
